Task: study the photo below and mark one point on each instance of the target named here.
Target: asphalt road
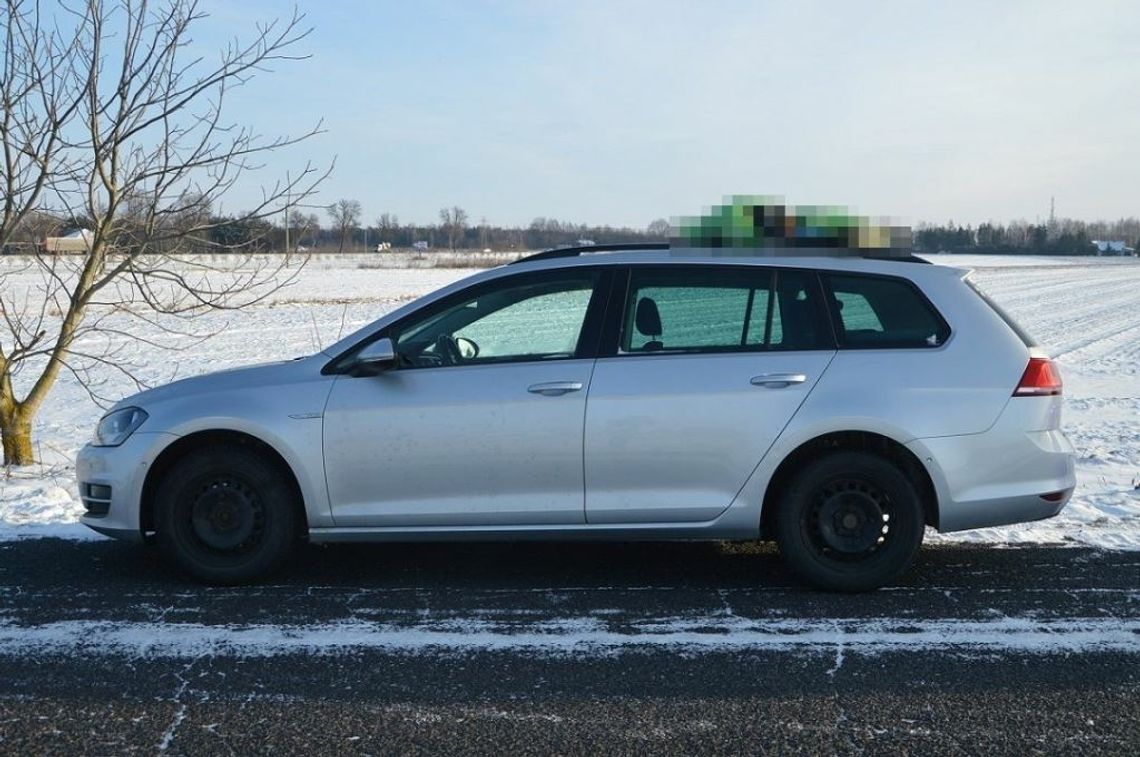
(531, 648)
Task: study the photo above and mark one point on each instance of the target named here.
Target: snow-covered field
(1087, 311)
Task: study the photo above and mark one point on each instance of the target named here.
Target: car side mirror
(374, 358)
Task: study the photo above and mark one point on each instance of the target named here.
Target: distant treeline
(344, 232)
(1059, 237)
(1062, 236)
(541, 233)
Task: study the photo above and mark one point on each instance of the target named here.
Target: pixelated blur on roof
(764, 223)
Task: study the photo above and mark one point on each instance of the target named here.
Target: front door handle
(555, 388)
(778, 380)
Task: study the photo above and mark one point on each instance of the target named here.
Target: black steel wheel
(851, 521)
(226, 515)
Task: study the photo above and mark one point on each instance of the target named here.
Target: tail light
(1041, 379)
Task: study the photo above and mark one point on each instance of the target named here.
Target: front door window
(539, 319)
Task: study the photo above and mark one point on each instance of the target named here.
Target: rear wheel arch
(847, 441)
(199, 440)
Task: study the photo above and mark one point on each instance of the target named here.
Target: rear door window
(798, 320)
(721, 309)
(874, 312)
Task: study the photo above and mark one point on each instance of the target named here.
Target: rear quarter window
(878, 312)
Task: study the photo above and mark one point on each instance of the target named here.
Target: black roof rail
(898, 258)
(570, 252)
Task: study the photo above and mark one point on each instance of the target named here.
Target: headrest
(647, 319)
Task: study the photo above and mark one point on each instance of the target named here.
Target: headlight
(115, 428)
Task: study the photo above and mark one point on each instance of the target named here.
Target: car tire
(851, 521)
(226, 515)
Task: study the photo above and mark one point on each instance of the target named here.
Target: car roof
(823, 260)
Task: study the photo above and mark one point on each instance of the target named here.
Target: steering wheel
(447, 349)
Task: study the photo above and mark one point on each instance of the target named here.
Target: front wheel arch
(190, 443)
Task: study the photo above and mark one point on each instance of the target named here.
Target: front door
(481, 422)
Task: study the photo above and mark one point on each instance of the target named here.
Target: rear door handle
(555, 388)
(778, 380)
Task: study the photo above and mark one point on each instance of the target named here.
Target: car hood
(253, 376)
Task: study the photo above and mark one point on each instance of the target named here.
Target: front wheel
(226, 515)
(851, 521)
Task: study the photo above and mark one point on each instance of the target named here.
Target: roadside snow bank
(39, 501)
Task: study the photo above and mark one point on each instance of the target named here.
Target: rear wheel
(851, 521)
(226, 515)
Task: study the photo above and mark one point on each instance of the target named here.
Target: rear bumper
(1003, 476)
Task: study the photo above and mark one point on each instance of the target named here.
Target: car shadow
(106, 565)
(541, 564)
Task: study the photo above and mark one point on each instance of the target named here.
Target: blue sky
(623, 112)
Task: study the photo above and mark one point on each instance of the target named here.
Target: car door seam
(776, 438)
(585, 412)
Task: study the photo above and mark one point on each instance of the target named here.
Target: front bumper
(123, 470)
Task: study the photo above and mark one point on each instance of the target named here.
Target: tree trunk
(16, 434)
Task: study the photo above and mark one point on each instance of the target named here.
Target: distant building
(1112, 247)
(76, 241)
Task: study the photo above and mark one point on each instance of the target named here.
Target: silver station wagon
(837, 404)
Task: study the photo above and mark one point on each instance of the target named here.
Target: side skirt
(709, 531)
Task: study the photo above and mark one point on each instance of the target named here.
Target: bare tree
(483, 233)
(658, 228)
(453, 222)
(106, 118)
(388, 224)
(302, 226)
(345, 215)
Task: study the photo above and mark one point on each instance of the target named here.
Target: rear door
(698, 375)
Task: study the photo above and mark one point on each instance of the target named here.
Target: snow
(1085, 310)
(583, 635)
(39, 501)
(1019, 261)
